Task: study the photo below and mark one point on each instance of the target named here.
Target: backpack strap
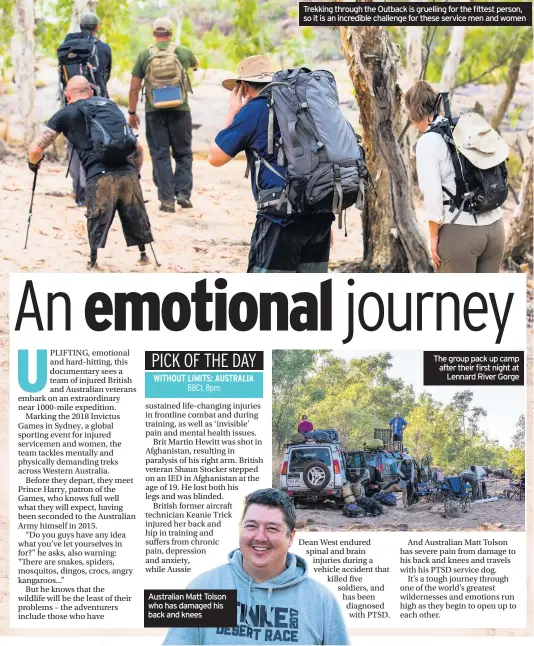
(444, 129)
(270, 103)
(283, 195)
(337, 203)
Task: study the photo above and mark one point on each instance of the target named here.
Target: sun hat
(256, 69)
(479, 142)
(162, 24)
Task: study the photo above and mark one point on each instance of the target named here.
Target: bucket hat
(256, 69)
(479, 142)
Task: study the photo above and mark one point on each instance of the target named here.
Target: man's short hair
(88, 22)
(420, 100)
(273, 498)
(304, 417)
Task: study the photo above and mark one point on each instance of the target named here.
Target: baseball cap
(162, 24)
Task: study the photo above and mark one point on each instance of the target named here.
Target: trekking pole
(31, 208)
(156, 260)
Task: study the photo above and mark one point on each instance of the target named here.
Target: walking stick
(31, 207)
(157, 263)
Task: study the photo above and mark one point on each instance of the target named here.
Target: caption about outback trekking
(344, 14)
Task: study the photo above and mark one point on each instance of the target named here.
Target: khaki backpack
(165, 78)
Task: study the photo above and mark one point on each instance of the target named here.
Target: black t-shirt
(71, 122)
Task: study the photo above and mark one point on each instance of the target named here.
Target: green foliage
(250, 33)
(516, 462)
(514, 166)
(485, 56)
(359, 395)
(6, 26)
(290, 370)
(515, 115)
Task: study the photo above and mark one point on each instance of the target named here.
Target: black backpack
(78, 56)
(351, 510)
(477, 191)
(111, 138)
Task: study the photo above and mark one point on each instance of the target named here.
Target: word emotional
(243, 311)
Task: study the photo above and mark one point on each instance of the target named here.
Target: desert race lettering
(274, 624)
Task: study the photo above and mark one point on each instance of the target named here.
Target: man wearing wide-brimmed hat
(459, 242)
(280, 243)
(167, 128)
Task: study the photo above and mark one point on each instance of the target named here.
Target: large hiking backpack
(477, 190)
(166, 81)
(325, 163)
(77, 56)
(112, 140)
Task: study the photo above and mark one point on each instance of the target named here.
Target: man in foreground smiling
(276, 601)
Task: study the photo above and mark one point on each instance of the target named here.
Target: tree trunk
(414, 53)
(523, 44)
(414, 68)
(23, 54)
(392, 238)
(518, 248)
(453, 59)
(176, 16)
(79, 7)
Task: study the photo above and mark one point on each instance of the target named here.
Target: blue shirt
(397, 424)
(248, 132)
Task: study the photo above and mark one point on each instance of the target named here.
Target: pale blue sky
(504, 404)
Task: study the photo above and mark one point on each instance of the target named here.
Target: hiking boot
(92, 266)
(167, 206)
(183, 201)
(143, 260)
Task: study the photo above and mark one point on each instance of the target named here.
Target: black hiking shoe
(184, 202)
(143, 260)
(167, 206)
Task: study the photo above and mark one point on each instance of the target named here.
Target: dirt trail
(214, 236)
(499, 515)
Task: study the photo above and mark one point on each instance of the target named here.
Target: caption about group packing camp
(338, 14)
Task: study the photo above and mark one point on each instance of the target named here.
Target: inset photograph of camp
(138, 135)
(359, 443)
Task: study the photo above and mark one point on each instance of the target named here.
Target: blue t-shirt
(248, 132)
(397, 425)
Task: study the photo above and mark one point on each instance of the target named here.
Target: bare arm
(434, 239)
(216, 156)
(133, 96)
(39, 145)
(137, 158)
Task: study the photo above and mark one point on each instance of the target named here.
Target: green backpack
(165, 78)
